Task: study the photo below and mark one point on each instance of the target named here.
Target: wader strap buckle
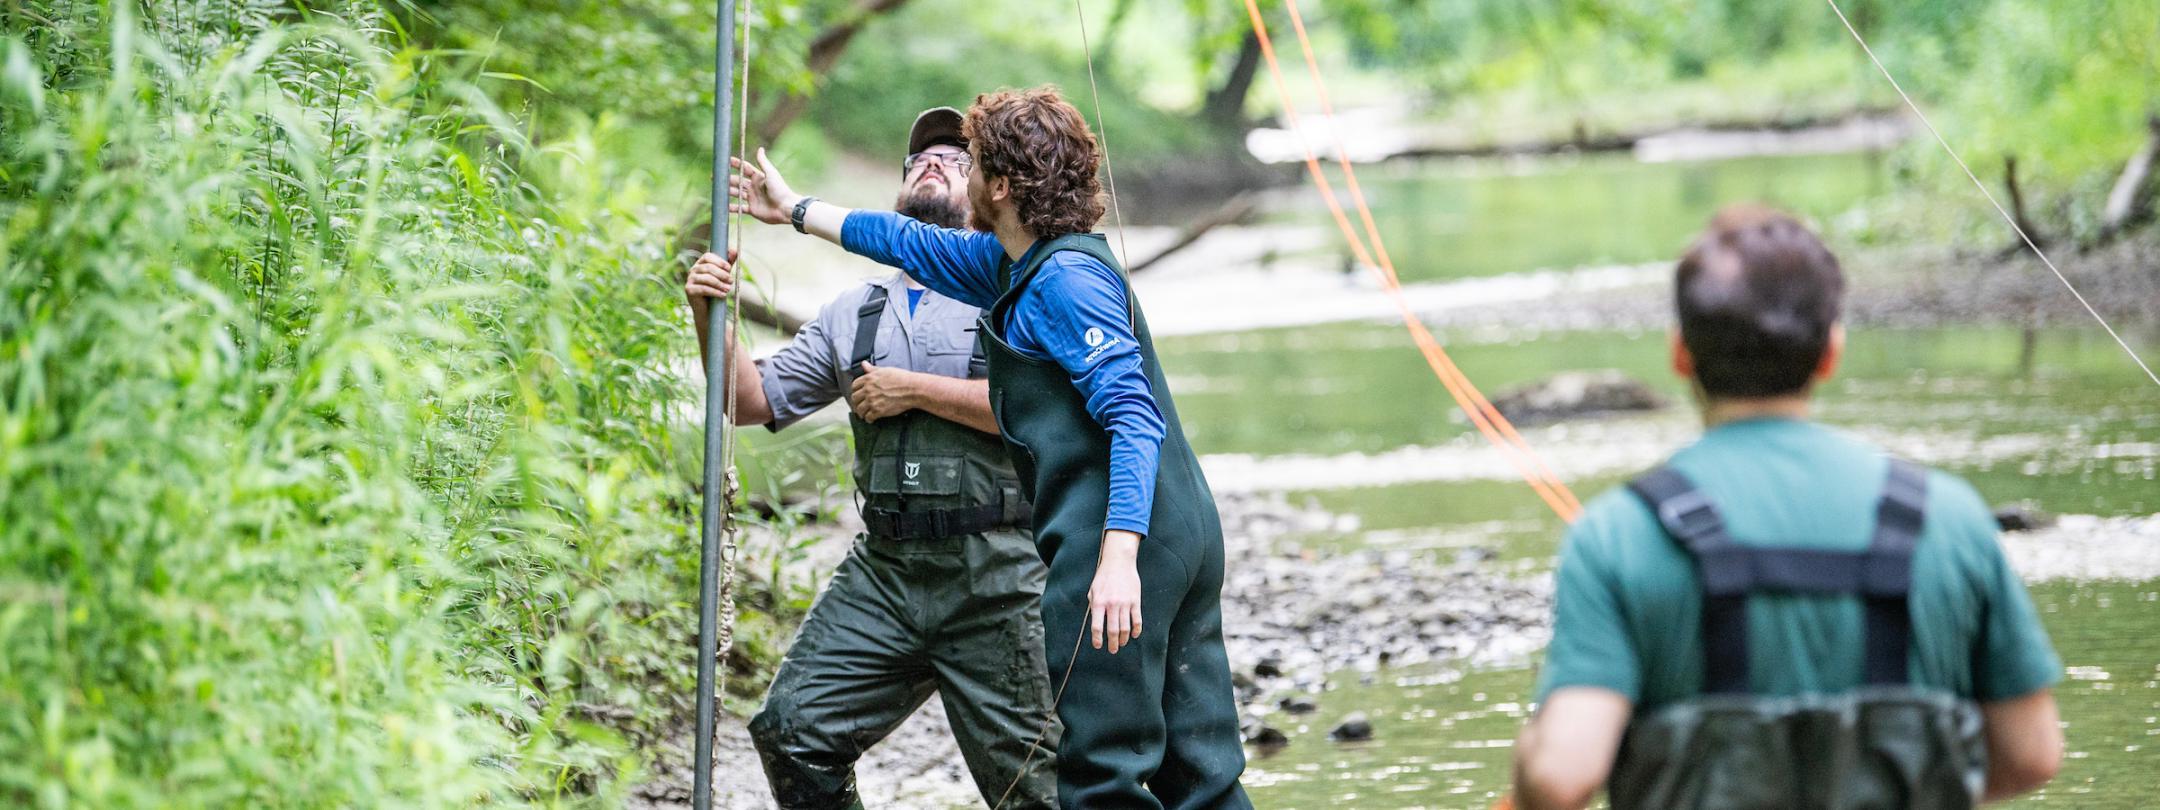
(1881, 575)
(867, 318)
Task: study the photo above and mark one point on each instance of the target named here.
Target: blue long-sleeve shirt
(1073, 313)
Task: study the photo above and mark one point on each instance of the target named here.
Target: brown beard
(933, 206)
(979, 217)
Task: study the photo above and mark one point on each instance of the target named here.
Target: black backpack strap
(979, 360)
(1900, 516)
(867, 319)
(1725, 569)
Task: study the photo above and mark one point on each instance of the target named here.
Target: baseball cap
(934, 125)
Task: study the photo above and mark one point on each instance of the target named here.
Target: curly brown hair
(1039, 143)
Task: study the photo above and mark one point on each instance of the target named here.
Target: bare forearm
(823, 220)
(2024, 742)
(964, 401)
(751, 407)
(1564, 753)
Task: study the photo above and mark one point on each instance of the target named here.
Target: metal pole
(713, 518)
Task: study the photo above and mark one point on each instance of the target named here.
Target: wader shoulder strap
(1900, 516)
(1694, 521)
(867, 319)
(1881, 575)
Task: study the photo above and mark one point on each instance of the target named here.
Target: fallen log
(1233, 211)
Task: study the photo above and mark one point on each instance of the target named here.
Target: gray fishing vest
(1886, 745)
(922, 476)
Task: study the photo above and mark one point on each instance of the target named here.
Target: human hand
(711, 277)
(882, 392)
(1114, 598)
(760, 191)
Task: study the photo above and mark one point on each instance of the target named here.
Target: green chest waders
(942, 595)
(1154, 725)
(924, 477)
(1886, 745)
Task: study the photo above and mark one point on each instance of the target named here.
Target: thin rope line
(1109, 168)
(1021, 772)
(2027, 238)
(1379, 246)
(1517, 452)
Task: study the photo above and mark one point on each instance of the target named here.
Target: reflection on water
(2080, 436)
(1455, 219)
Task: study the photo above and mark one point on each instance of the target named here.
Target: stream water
(1347, 416)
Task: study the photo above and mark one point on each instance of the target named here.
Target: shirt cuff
(1138, 527)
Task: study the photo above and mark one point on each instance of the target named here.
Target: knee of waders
(768, 729)
(785, 731)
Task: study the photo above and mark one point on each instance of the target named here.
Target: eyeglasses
(957, 160)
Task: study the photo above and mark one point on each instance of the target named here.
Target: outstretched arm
(961, 265)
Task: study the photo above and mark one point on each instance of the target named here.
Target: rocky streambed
(1292, 618)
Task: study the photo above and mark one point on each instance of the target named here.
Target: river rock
(2022, 517)
(1352, 729)
(1265, 736)
(1297, 704)
(1575, 394)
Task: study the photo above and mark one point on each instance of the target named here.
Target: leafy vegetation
(337, 431)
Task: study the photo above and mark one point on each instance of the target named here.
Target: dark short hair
(1758, 295)
(1041, 145)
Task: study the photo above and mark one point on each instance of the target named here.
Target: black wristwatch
(801, 208)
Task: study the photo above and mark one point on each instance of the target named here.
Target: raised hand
(760, 191)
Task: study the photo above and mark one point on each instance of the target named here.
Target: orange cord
(1473, 403)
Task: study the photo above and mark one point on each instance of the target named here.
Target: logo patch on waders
(1884, 745)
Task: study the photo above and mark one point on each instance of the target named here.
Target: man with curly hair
(1123, 515)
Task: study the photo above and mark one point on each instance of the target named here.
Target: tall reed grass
(337, 445)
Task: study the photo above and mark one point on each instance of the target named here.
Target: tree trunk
(2017, 205)
(825, 51)
(1107, 48)
(2123, 202)
(1225, 105)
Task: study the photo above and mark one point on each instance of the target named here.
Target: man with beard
(942, 593)
(1123, 513)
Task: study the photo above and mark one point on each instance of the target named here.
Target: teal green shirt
(1628, 603)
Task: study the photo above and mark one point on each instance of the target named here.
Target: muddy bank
(1290, 616)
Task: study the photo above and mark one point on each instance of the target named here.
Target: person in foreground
(942, 592)
(1782, 616)
(1122, 515)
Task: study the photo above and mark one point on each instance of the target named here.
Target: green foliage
(2065, 86)
(337, 436)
